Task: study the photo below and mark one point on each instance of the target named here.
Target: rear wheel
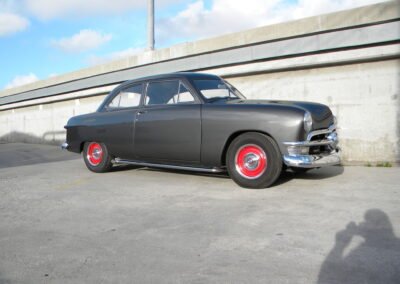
(254, 160)
(96, 157)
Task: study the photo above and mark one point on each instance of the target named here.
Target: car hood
(321, 114)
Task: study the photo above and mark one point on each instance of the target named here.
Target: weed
(384, 165)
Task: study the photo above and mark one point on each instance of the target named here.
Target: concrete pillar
(150, 24)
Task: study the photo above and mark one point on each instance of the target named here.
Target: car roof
(188, 75)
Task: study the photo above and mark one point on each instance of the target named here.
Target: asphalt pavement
(60, 223)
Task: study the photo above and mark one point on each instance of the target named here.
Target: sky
(44, 38)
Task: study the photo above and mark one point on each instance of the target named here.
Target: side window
(167, 92)
(183, 96)
(129, 97)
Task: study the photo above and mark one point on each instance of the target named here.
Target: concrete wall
(43, 123)
(364, 97)
(348, 60)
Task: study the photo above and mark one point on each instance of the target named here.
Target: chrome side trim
(310, 143)
(312, 161)
(164, 166)
(64, 146)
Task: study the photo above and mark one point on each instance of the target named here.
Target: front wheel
(96, 157)
(254, 160)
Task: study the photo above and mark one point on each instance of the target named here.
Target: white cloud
(82, 41)
(126, 52)
(95, 60)
(226, 16)
(50, 9)
(11, 23)
(22, 80)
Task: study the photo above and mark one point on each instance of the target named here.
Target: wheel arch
(81, 145)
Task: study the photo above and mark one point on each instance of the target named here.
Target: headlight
(307, 122)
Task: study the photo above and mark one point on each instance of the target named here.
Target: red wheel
(251, 161)
(96, 157)
(94, 154)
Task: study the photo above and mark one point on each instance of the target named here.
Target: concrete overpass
(349, 60)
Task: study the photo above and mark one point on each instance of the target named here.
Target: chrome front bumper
(312, 161)
(298, 152)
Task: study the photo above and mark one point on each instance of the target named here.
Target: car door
(168, 127)
(116, 122)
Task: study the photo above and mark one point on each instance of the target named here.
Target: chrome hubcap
(251, 161)
(94, 154)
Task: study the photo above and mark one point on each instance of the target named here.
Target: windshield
(213, 89)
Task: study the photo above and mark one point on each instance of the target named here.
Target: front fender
(221, 124)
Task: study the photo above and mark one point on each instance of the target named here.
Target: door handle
(141, 112)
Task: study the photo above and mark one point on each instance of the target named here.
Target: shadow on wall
(375, 260)
(49, 138)
(30, 153)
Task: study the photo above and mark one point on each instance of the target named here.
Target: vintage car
(200, 122)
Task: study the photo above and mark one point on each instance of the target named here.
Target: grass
(384, 165)
(379, 165)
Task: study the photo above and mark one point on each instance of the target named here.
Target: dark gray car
(199, 122)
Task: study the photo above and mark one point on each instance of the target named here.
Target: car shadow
(223, 175)
(118, 168)
(286, 176)
(122, 168)
(312, 174)
(376, 258)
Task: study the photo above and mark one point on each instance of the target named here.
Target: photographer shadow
(375, 260)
